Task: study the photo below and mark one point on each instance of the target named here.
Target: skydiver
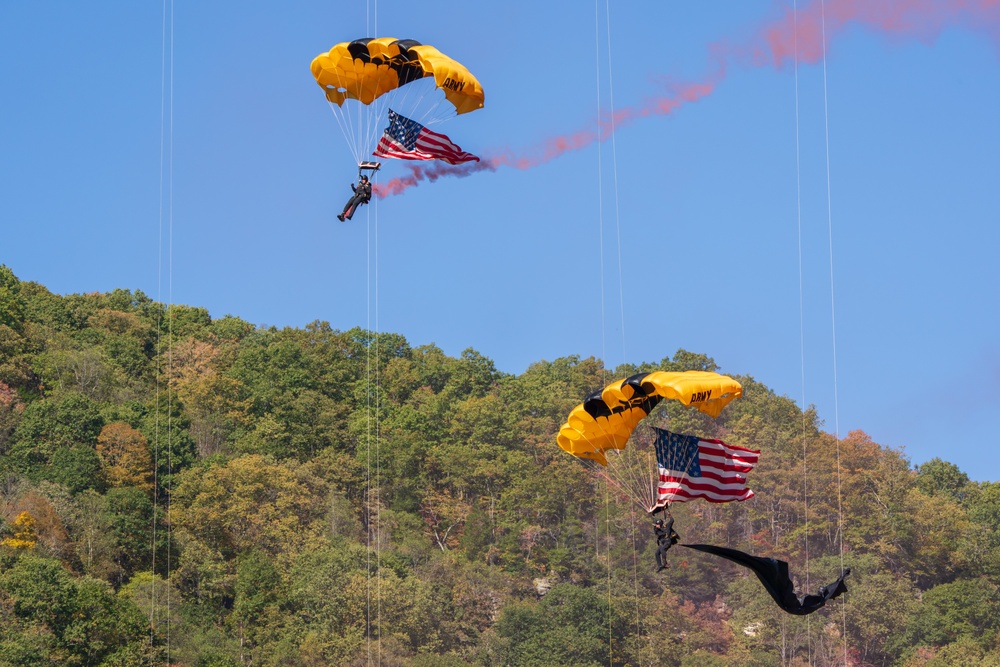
(666, 537)
(362, 195)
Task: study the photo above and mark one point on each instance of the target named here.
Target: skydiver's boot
(340, 216)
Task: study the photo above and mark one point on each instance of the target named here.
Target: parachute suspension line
(607, 550)
(409, 100)
(435, 112)
(600, 185)
(635, 572)
(621, 472)
(379, 108)
(654, 476)
(365, 129)
(371, 18)
(349, 127)
(614, 163)
(358, 132)
(368, 444)
(641, 479)
(159, 329)
(632, 474)
(378, 454)
(368, 439)
(833, 322)
(368, 447)
(362, 126)
(170, 322)
(600, 221)
(372, 338)
(374, 405)
(371, 132)
(802, 344)
(344, 122)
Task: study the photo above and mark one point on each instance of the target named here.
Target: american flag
(409, 140)
(693, 467)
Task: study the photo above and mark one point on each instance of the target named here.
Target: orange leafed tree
(125, 455)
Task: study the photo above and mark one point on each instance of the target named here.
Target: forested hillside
(187, 491)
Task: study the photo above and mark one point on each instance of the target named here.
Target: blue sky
(705, 216)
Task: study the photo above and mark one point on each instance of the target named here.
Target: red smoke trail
(771, 45)
(924, 20)
(549, 149)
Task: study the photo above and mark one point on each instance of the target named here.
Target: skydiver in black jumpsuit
(666, 537)
(362, 195)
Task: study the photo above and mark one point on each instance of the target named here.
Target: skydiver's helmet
(658, 522)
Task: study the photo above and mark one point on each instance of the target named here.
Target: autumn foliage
(125, 456)
(177, 489)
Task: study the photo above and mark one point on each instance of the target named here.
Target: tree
(211, 399)
(89, 526)
(444, 515)
(134, 521)
(84, 367)
(570, 626)
(982, 547)
(11, 301)
(328, 490)
(83, 621)
(875, 627)
(49, 533)
(23, 533)
(937, 477)
(16, 362)
(257, 616)
(964, 609)
(10, 414)
(250, 502)
(62, 421)
(42, 592)
(125, 456)
(77, 467)
(105, 625)
(128, 339)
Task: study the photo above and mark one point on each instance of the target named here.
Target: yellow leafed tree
(124, 453)
(210, 399)
(24, 536)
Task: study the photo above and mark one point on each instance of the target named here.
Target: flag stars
(678, 452)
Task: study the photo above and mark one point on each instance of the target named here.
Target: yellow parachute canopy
(606, 419)
(365, 69)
